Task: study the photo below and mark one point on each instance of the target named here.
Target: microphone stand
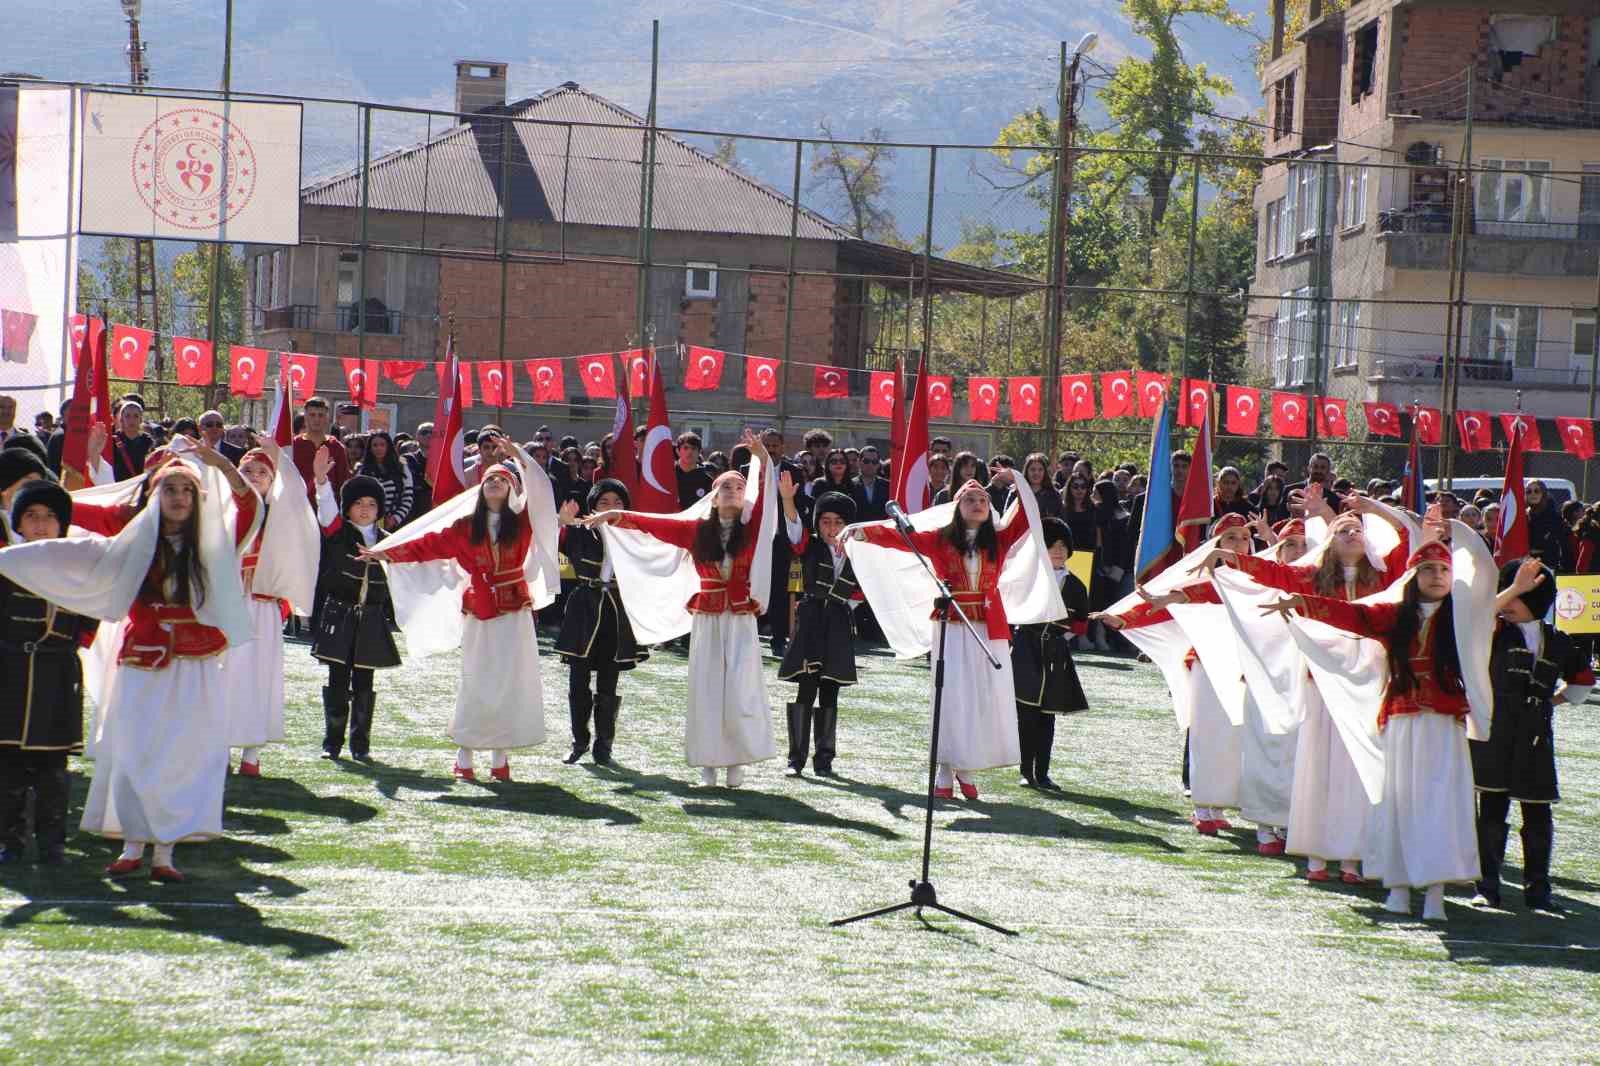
(922, 891)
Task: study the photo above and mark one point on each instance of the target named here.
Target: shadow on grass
(389, 780)
(268, 794)
(746, 804)
(984, 941)
(539, 798)
(208, 904)
(1510, 936)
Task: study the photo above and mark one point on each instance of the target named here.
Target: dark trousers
(1538, 840)
(44, 774)
(348, 701)
(1036, 734)
(824, 720)
(601, 704)
(1186, 759)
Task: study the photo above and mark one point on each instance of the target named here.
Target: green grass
(389, 913)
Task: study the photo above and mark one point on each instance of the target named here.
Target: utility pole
(214, 309)
(1060, 227)
(146, 310)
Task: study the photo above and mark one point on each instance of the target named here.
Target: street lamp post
(1060, 215)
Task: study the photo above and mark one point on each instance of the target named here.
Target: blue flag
(1158, 530)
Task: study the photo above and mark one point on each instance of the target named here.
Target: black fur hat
(833, 503)
(361, 487)
(48, 493)
(17, 463)
(603, 486)
(1053, 530)
(1540, 598)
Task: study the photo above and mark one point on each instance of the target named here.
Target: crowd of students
(208, 539)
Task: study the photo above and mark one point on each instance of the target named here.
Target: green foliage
(853, 177)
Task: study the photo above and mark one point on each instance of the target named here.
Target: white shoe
(735, 776)
(1399, 901)
(1433, 904)
(708, 775)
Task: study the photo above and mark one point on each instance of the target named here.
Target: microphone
(898, 515)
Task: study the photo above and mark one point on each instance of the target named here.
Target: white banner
(192, 169)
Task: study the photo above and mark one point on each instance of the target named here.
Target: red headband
(1231, 520)
(256, 455)
(1431, 552)
(1290, 527)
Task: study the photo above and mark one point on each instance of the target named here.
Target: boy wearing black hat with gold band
(821, 657)
(595, 640)
(1533, 668)
(41, 700)
(1042, 669)
(353, 628)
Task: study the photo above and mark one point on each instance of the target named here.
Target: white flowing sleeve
(291, 543)
(894, 582)
(327, 506)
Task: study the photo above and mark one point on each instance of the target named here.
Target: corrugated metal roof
(596, 183)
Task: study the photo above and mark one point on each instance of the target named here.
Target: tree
(854, 176)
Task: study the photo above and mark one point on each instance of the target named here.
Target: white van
(1465, 488)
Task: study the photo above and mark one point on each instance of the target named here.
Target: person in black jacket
(352, 630)
(1547, 534)
(596, 639)
(1045, 677)
(130, 444)
(869, 491)
(41, 721)
(1036, 474)
(1113, 555)
(382, 463)
(835, 476)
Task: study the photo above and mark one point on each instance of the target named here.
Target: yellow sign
(1578, 603)
(1081, 565)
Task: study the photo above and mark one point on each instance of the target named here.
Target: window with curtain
(1302, 353)
(1506, 334)
(1282, 328)
(1513, 199)
(1583, 348)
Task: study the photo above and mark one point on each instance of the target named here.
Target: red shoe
(169, 874)
(944, 793)
(1206, 827)
(968, 789)
(501, 773)
(124, 867)
(1271, 849)
(466, 773)
(1317, 875)
(1350, 877)
(1222, 823)
(249, 769)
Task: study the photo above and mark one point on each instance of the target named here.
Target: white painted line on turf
(457, 910)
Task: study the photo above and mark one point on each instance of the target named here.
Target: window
(262, 290)
(1283, 106)
(1363, 60)
(394, 280)
(1514, 198)
(1589, 189)
(1505, 334)
(1355, 195)
(1303, 207)
(700, 281)
(1271, 224)
(1302, 353)
(1287, 230)
(1282, 327)
(1347, 334)
(279, 296)
(349, 264)
(1583, 348)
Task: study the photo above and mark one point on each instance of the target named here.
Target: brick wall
(1437, 45)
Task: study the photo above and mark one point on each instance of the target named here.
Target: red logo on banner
(1152, 392)
(302, 371)
(1244, 410)
(1196, 404)
(1023, 396)
(130, 348)
(599, 376)
(830, 383)
(1332, 421)
(1383, 419)
(1578, 435)
(548, 383)
(1116, 394)
(1289, 414)
(1512, 421)
(983, 399)
(1474, 429)
(247, 373)
(761, 379)
(941, 396)
(192, 360)
(880, 399)
(495, 386)
(183, 157)
(1077, 397)
(361, 379)
(702, 369)
(638, 365)
(1430, 428)
(401, 371)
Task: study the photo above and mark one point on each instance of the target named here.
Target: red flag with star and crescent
(361, 381)
(761, 378)
(191, 360)
(549, 386)
(1289, 414)
(1116, 394)
(1578, 435)
(1473, 428)
(1022, 395)
(1195, 407)
(599, 376)
(638, 370)
(1514, 535)
(983, 399)
(1429, 425)
(247, 371)
(1077, 397)
(1332, 421)
(657, 489)
(1152, 389)
(447, 449)
(1383, 419)
(830, 383)
(302, 371)
(880, 398)
(702, 369)
(495, 386)
(941, 395)
(130, 351)
(1244, 410)
(1512, 421)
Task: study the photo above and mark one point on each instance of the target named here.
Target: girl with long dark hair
(383, 463)
(835, 476)
(965, 467)
(1036, 477)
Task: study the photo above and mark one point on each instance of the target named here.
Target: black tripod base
(923, 895)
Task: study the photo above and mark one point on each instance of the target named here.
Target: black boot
(580, 705)
(799, 716)
(14, 783)
(335, 716)
(827, 729)
(50, 811)
(1538, 840)
(1044, 739)
(362, 704)
(606, 705)
(1492, 833)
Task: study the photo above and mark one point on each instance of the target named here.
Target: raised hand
(568, 514)
(786, 486)
(321, 464)
(1214, 558)
(599, 518)
(97, 439)
(1110, 621)
(1530, 575)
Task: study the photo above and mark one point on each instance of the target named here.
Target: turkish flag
(761, 379)
(548, 383)
(1430, 428)
(192, 359)
(638, 370)
(983, 399)
(362, 381)
(130, 348)
(1077, 397)
(1289, 414)
(910, 459)
(830, 383)
(302, 371)
(941, 395)
(1332, 421)
(1022, 394)
(1244, 410)
(446, 469)
(1196, 403)
(401, 371)
(1116, 394)
(702, 369)
(464, 376)
(1513, 540)
(79, 323)
(1474, 429)
(247, 370)
(1578, 434)
(599, 376)
(657, 488)
(281, 421)
(1152, 389)
(16, 331)
(880, 399)
(1511, 421)
(495, 386)
(1383, 419)
(75, 444)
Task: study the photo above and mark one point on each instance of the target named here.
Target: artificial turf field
(388, 913)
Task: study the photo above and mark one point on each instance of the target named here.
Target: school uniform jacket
(825, 629)
(1528, 664)
(594, 627)
(41, 676)
(1042, 669)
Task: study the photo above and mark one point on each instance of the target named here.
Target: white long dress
(1213, 745)
(500, 700)
(1330, 816)
(729, 718)
(255, 680)
(1266, 768)
(978, 716)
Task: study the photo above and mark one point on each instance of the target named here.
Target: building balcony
(1419, 239)
(345, 318)
(1483, 373)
